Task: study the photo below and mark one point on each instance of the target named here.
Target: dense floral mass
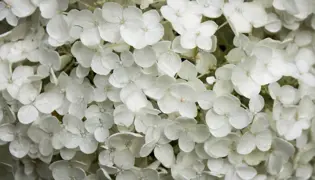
(157, 89)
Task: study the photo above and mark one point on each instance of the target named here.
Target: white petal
(145, 57)
(48, 102)
(165, 154)
(246, 144)
(154, 34)
(27, 93)
(188, 40)
(199, 133)
(101, 134)
(204, 43)
(27, 114)
(110, 32)
(173, 131)
(82, 54)
(123, 116)
(187, 109)
(67, 154)
(90, 37)
(7, 132)
(49, 8)
(98, 66)
(130, 94)
(20, 147)
(45, 147)
(132, 34)
(126, 175)
(169, 63)
(124, 159)
(22, 8)
(168, 104)
(185, 143)
(264, 140)
(246, 172)
(240, 119)
(88, 145)
(206, 99)
(256, 103)
(217, 148)
(147, 148)
(58, 29)
(187, 71)
(112, 12)
(208, 28)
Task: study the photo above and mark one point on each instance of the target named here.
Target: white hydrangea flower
(105, 90)
(225, 115)
(155, 141)
(188, 132)
(12, 81)
(200, 35)
(143, 32)
(67, 169)
(126, 148)
(58, 29)
(242, 78)
(223, 84)
(98, 123)
(181, 98)
(78, 136)
(182, 14)
(79, 95)
(43, 133)
(89, 23)
(151, 98)
(304, 61)
(259, 136)
(242, 16)
(21, 8)
(116, 16)
(7, 14)
(45, 103)
(293, 120)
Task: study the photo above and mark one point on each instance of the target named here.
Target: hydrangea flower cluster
(157, 89)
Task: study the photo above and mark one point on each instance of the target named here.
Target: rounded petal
(188, 40)
(217, 148)
(246, 144)
(124, 159)
(98, 66)
(20, 147)
(169, 63)
(112, 12)
(90, 37)
(256, 103)
(110, 32)
(246, 172)
(145, 57)
(101, 134)
(240, 119)
(208, 28)
(199, 133)
(264, 140)
(45, 147)
(204, 43)
(165, 154)
(186, 143)
(82, 54)
(48, 102)
(27, 114)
